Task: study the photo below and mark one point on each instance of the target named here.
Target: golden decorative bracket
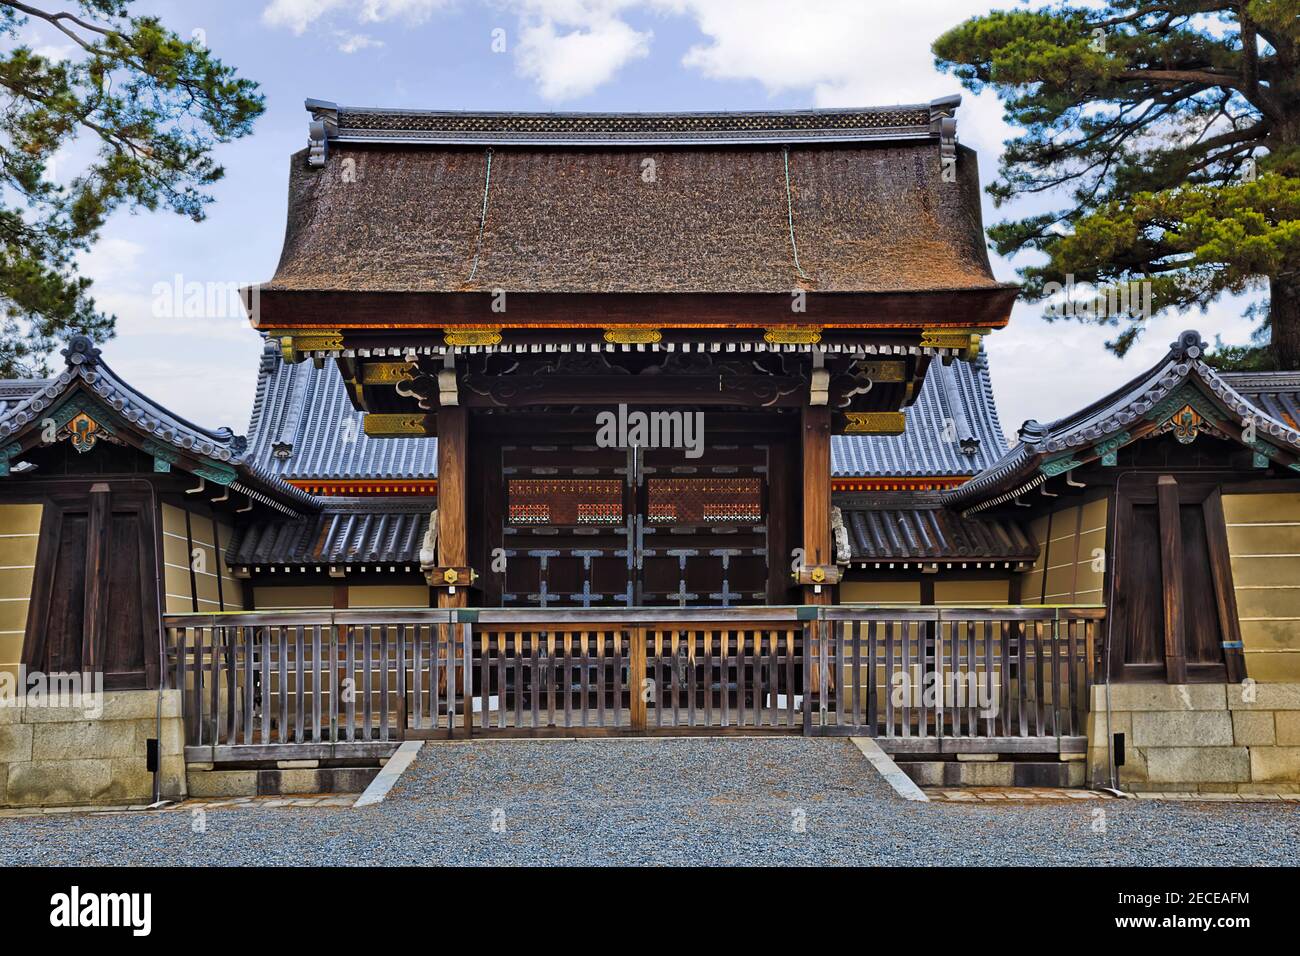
(472, 335)
(295, 342)
(793, 335)
(386, 373)
(875, 423)
(965, 341)
(393, 425)
(631, 335)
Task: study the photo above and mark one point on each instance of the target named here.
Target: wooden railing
(339, 684)
(951, 679)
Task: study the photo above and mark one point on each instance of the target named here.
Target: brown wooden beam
(1171, 571)
(481, 391)
(453, 504)
(817, 496)
(982, 308)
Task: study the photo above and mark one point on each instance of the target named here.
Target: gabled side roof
(1182, 393)
(88, 387)
(304, 426)
(952, 430)
(1277, 394)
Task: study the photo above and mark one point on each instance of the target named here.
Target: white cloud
(352, 42)
(298, 15)
(110, 260)
(571, 47)
(1046, 370)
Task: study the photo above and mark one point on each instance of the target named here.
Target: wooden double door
(94, 604)
(584, 526)
(1174, 609)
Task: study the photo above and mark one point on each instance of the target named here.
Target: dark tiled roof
(15, 391)
(1130, 412)
(960, 393)
(902, 528)
(86, 371)
(305, 413)
(1276, 394)
(346, 532)
(869, 217)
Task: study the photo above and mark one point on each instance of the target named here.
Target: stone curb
(903, 784)
(388, 776)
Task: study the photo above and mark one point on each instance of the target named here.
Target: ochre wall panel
(276, 598)
(1264, 542)
(413, 595)
(971, 593)
(880, 592)
(20, 526)
(1066, 559)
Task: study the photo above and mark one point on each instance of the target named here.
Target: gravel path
(666, 801)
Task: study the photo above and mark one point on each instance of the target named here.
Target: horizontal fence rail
(356, 683)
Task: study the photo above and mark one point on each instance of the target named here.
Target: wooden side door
(1174, 610)
(95, 591)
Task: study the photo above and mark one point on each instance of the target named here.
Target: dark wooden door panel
(65, 624)
(1142, 583)
(125, 634)
(1201, 620)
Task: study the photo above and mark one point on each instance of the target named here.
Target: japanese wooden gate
(348, 683)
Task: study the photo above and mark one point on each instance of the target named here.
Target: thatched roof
(696, 203)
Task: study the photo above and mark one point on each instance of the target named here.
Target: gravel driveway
(735, 801)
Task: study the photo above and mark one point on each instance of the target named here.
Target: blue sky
(558, 54)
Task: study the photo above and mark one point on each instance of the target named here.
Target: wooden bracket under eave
(295, 344)
(966, 342)
(394, 425)
(875, 423)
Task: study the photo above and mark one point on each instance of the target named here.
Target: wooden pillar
(1171, 572)
(453, 521)
(816, 544)
(97, 571)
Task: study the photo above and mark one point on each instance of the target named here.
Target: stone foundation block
(1275, 764)
(1266, 697)
(15, 744)
(979, 775)
(1034, 774)
(1288, 728)
(222, 783)
(1253, 727)
(58, 783)
(91, 738)
(1198, 765)
(1160, 697)
(1201, 728)
(924, 773)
